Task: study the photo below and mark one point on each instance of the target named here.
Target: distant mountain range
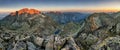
(60, 17)
(2, 15)
(66, 17)
(36, 30)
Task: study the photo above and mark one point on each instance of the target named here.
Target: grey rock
(38, 41)
(118, 28)
(31, 46)
(22, 37)
(59, 42)
(1, 40)
(110, 43)
(6, 36)
(70, 45)
(11, 46)
(73, 44)
(19, 46)
(66, 48)
(1, 47)
(50, 43)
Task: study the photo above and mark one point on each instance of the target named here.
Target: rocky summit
(26, 10)
(31, 29)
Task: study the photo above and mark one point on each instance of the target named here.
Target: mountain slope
(66, 17)
(26, 21)
(99, 28)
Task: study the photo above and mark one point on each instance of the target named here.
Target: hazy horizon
(61, 5)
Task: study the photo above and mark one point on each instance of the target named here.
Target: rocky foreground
(26, 30)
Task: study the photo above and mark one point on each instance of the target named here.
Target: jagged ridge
(26, 10)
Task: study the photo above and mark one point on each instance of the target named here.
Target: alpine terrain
(31, 29)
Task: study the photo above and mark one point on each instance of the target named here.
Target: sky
(61, 5)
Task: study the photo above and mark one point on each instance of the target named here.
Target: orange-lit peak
(26, 10)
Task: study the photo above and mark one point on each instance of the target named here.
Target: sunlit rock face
(26, 10)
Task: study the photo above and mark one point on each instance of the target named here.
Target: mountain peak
(26, 10)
